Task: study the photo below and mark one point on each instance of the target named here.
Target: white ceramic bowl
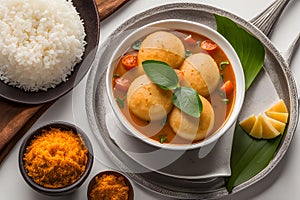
(206, 145)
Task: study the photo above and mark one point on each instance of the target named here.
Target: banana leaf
(249, 156)
(249, 49)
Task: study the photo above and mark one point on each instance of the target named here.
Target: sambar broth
(161, 130)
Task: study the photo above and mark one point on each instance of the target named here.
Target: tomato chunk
(129, 61)
(227, 88)
(122, 84)
(208, 45)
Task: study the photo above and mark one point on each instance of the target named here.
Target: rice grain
(40, 42)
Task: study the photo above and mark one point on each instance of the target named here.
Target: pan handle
(288, 54)
(266, 20)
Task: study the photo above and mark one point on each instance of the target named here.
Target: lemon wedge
(278, 125)
(278, 107)
(248, 123)
(280, 116)
(257, 128)
(268, 131)
(267, 126)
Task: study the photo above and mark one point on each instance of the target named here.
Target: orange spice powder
(56, 158)
(109, 187)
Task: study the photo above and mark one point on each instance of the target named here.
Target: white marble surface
(281, 183)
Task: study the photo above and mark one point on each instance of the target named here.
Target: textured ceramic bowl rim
(193, 27)
(127, 182)
(56, 191)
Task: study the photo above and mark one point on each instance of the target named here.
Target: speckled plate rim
(292, 101)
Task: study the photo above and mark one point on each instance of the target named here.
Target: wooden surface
(16, 119)
(107, 7)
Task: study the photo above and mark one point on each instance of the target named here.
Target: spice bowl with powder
(56, 158)
(110, 185)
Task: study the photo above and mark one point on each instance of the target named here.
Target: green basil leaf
(161, 74)
(188, 101)
(249, 49)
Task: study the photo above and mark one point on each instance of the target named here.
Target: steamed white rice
(40, 42)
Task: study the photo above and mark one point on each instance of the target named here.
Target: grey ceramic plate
(166, 162)
(276, 79)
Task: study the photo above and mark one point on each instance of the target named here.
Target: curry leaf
(249, 49)
(162, 138)
(161, 74)
(188, 53)
(120, 102)
(223, 63)
(188, 101)
(137, 45)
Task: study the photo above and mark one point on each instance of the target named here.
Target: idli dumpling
(202, 73)
(162, 46)
(148, 101)
(191, 128)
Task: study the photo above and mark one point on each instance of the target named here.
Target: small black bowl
(115, 173)
(67, 189)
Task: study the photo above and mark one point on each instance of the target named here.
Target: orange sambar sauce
(222, 104)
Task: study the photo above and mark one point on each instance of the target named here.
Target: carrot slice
(129, 61)
(208, 45)
(180, 74)
(227, 87)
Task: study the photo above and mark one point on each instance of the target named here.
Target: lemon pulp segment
(256, 130)
(282, 117)
(248, 123)
(268, 130)
(278, 125)
(278, 107)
